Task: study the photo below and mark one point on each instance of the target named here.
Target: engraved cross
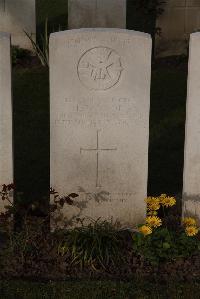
(98, 149)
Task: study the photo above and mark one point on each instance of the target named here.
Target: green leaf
(166, 245)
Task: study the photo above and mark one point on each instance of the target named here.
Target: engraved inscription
(98, 149)
(97, 113)
(99, 68)
(102, 196)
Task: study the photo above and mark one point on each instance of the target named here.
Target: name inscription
(74, 42)
(93, 112)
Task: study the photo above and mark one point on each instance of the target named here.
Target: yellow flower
(191, 231)
(167, 201)
(189, 221)
(153, 206)
(145, 230)
(151, 200)
(153, 203)
(153, 221)
(148, 199)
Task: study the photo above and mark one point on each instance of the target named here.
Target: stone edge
(103, 30)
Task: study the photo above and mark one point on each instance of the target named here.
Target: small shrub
(96, 245)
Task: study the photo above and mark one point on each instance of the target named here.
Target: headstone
(191, 182)
(100, 96)
(180, 18)
(96, 13)
(17, 16)
(6, 158)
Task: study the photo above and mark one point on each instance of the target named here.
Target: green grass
(97, 290)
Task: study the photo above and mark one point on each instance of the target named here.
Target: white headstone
(191, 180)
(6, 157)
(100, 96)
(96, 13)
(17, 16)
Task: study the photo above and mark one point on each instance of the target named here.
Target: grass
(97, 290)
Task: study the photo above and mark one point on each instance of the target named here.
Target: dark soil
(35, 256)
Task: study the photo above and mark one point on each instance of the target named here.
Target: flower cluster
(190, 226)
(153, 221)
(153, 205)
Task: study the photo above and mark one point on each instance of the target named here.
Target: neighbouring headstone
(100, 97)
(191, 180)
(179, 19)
(6, 152)
(17, 16)
(96, 13)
